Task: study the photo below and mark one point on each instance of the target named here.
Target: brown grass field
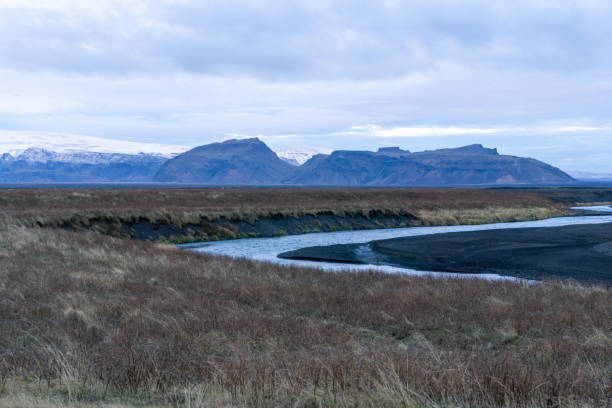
(91, 320)
(220, 213)
(65, 202)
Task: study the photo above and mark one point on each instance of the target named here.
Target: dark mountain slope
(469, 165)
(235, 162)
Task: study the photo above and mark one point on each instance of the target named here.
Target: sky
(530, 77)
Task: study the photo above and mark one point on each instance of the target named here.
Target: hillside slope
(237, 162)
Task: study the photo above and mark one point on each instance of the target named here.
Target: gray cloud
(190, 72)
(307, 39)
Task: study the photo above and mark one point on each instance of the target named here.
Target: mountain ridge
(252, 162)
(41, 165)
(234, 162)
(467, 165)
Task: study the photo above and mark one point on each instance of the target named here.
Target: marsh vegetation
(190, 215)
(94, 320)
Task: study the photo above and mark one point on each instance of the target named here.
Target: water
(267, 249)
(596, 208)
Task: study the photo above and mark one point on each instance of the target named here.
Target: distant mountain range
(251, 162)
(37, 165)
(16, 142)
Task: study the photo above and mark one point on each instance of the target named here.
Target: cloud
(580, 128)
(418, 131)
(427, 73)
(302, 39)
(15, 142)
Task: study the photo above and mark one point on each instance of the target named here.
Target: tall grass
(90, 319)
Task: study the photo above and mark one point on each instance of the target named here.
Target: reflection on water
(267, 249)
(597, 208)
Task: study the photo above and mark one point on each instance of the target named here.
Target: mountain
(298, 155)
(251, 162)
(35, 165)
(237, 162)
(468, 165)
(16, 142)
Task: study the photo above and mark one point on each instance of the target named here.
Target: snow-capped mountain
(16, 142)
(298, 155)
(583, 175)
(59, 157)
(6, 158)
(37, 155)
(41, 165)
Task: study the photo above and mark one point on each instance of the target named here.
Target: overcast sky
(531, 77)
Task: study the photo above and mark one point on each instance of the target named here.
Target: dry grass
(98, 321)
(209, 214)
(244, 202)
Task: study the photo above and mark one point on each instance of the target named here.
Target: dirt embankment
(231, 228)
(189, 215)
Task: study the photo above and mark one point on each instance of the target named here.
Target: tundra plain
(95, 318)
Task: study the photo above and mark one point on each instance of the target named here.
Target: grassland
(184, 215)
(88, 319)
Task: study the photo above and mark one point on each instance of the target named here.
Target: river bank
(196, 215)
(580, 252)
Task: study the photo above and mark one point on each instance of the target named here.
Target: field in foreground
(92, 320)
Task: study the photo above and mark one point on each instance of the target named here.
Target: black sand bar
(581, 252)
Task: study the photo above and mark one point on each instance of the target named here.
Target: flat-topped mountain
(468, 165)
(237, 162)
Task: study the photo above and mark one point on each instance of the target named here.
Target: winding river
(267, 249)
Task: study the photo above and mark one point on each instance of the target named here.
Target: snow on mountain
(298, 155)
(36, 165)
(6, 158)
(583, 175)
(17, 142)
(38, 155)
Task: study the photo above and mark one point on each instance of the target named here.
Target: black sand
(581, 252)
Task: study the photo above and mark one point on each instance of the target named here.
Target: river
(267, 249)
